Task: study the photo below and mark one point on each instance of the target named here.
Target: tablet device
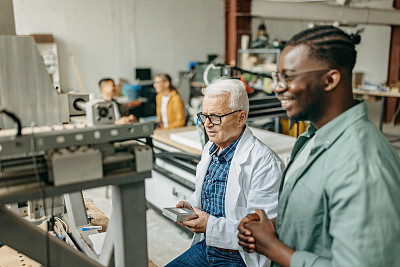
(179, 214)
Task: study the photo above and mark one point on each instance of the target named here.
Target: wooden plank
(163, 136)
(376, 93)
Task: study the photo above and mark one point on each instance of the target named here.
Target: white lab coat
(253, 182)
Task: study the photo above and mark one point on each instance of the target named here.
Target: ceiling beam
(315, 12)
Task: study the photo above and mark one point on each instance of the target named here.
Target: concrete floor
(166, 241)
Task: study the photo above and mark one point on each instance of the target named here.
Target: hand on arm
(246, 240)
(260, 235)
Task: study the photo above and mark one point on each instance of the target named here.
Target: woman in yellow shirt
(169, 105)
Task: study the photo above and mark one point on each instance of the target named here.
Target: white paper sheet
(97, 240)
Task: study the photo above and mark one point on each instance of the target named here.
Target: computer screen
(143, 74)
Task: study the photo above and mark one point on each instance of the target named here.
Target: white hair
(233, 87)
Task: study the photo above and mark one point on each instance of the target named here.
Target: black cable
(43, 193)
(14, 118)
(265, 75)
(179, 155)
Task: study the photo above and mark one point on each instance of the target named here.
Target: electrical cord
(36, 170)
(42, 191)
(64, 224)
(218, 65)
(14, 118)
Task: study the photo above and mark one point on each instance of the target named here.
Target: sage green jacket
(342, 208)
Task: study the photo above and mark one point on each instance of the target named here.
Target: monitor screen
(143, 74)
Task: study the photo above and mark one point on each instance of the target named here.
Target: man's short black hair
(329, 44)
(105, 80)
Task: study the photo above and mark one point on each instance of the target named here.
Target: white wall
(113, 37)
(373, 51)
(373, 54)
(171, 33)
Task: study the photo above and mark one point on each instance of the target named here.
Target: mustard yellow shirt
(175, 111)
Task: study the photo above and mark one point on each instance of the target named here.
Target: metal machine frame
(126, 240)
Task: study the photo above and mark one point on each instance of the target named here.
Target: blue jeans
(202, 255)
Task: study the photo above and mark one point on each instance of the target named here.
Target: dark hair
(329, 44)
(165, 77)
(105, 80)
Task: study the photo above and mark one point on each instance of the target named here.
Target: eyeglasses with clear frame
(214, 119)
(282, 79)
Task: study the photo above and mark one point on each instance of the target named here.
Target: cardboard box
(357, 79)
(43, 38)
(395, 87)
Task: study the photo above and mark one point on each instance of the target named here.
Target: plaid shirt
(214, 185)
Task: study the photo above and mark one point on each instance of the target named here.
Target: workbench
(379, 94)
(384, 95)
(281, 144)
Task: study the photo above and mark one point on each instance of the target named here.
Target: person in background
(108, 91)
(262, 39)
(339, 201)
(169, 105)
(237, 174)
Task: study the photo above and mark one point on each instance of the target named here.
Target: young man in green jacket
(339, 202)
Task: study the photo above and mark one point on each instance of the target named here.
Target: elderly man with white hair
(237, 174)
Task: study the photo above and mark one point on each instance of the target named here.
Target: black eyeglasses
(282, 79)
(214, 119)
